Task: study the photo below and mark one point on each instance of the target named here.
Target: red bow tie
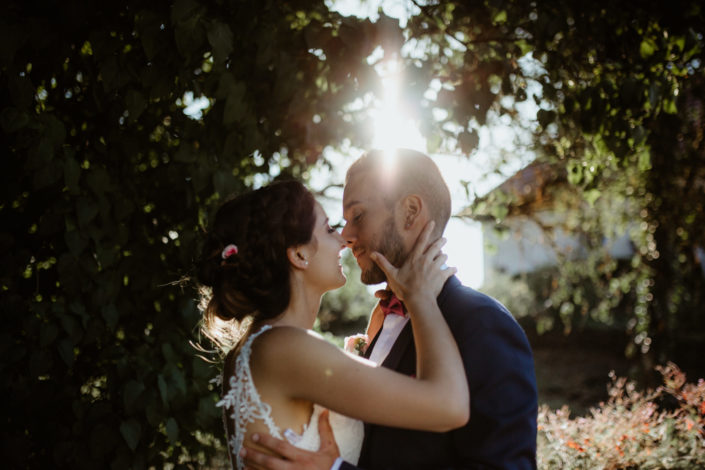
(393, 305)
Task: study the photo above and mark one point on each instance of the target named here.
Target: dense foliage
(618, 91)
(106, 187)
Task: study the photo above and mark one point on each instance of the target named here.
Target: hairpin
(228, 251)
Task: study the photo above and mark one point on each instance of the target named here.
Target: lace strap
(244, 399)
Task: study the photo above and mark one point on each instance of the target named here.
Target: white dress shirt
(392, 326)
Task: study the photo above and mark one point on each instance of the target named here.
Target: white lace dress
(246, 405)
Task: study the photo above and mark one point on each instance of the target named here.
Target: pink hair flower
(228, 251)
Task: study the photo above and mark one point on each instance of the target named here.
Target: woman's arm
(305, 366)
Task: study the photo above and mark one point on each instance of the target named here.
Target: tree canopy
(108, 184)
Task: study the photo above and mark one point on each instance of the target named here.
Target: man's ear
(297, 257)
(411, 207)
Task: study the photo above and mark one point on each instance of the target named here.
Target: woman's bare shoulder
(287, 343)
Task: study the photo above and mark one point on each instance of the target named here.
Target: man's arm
(289, 457)
(502, 431)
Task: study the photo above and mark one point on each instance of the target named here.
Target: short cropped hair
(404, 172)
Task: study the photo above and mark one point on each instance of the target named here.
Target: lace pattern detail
(246, 405)
(244, 400)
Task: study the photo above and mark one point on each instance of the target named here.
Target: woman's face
(324, 265)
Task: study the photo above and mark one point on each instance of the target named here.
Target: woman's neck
(303, 306)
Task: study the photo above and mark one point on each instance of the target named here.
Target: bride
(268, 258)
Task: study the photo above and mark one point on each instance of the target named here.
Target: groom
(387, 200)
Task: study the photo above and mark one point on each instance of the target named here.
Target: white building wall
(526, 247)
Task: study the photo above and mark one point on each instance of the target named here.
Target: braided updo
(254, 282)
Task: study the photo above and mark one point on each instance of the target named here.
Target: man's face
(370, 226)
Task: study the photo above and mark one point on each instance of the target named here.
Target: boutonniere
(356, 344)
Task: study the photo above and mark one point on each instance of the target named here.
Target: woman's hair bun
(253, 280)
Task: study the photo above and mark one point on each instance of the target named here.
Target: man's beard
(391, 246)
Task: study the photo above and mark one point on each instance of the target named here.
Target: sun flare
(392, 128)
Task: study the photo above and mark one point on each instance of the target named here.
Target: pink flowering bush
(662, 428)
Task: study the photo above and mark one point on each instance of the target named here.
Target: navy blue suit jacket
(499, 367)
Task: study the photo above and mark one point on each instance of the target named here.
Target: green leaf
(12, 36)
(169, 354)
(72, 173)
(185, 154)
(111, 315)
(136, 104)
(591, 196)
(54, 130)
(131, 431)
(163, 389)
(172, 430)
(575, 172)
(75, 242)
(131, 391)
(72, 327)
(109, 71)
(224, 182)
(86, 210)
(647, 48)
(98, 180)
(235, 106)
(13, 120)
(220, 37)
(182, 10)
(65, 347)
(644, 163)
(148, 24)
(654, 95)
(189, 36)
(48, 334)
(669, 106)
(21, 92)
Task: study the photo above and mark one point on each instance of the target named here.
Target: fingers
(422, 241)
(439, 260)
(278, 446)
(325, 431)
(434, 249)
(256, 460)
(447, 273)
(384, 264)
(382, 294)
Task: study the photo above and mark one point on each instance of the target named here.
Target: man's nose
(348, 235)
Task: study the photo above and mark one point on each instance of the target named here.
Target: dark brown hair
(254, 282)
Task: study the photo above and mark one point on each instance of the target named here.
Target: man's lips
(357, 252)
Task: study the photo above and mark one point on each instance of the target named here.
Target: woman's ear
(411, 207)
(297, 257)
